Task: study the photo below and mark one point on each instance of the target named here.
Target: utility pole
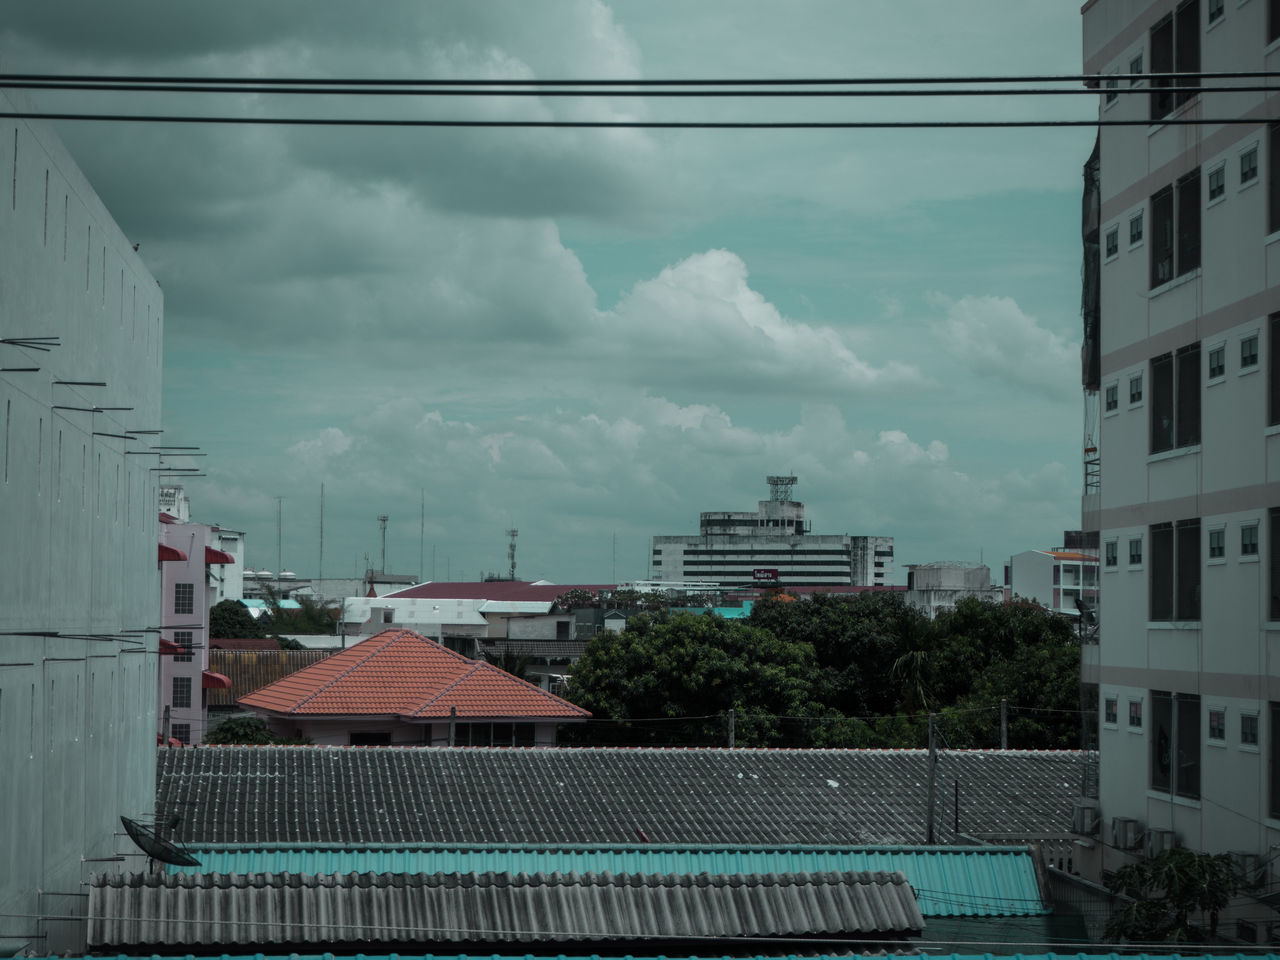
(382, 522)
(731, 719)
(1004, 724)
(933, 768)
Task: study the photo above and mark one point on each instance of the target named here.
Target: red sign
(764, 573)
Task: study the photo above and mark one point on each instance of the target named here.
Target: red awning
(217, 556)
(168, 647)
(170, 553)
(215, 681)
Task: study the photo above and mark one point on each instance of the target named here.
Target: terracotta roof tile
(401, 673)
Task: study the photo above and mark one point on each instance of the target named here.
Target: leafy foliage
(310, 618)
(577, 599)
(630, 599)
(865, 670)
(694, 666)
(231, 620)
(509, 661)
(247, 730)
(1165, 891)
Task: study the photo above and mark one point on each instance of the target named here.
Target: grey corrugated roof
(282, 795)
(211, 909)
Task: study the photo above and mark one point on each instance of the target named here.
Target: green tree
(696, 666)
(231, 620)
(509, 661)
(310, 617)
(576, 599)
(248, 730)
(857, 640)
(1163, 894)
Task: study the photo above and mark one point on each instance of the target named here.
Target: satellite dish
(155, 847)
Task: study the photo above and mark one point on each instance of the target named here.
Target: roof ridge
(357, 663)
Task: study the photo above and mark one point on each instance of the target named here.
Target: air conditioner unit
(1159, 841)
(1248, 867)
(1126, 833)
(1085, 817)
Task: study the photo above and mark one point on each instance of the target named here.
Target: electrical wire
(636, 124)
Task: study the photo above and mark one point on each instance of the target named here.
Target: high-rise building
(1182, 449)
(80, 352)
(771, 545)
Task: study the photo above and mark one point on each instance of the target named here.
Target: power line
(636, 124)
(696, 82)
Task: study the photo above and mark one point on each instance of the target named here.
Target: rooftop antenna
(320, 573)
(780, 487)
(382, 522)
(279, 527)
(511, 550)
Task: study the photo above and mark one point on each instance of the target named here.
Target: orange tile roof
(401, 673)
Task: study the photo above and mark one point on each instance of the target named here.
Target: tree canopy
(863, 669)
(1163, 893)
(231, 620)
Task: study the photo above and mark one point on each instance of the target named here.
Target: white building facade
(79, 579)
(771, 545)
(1187, 371)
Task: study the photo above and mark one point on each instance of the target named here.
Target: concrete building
(772, 545)
(1182, 356)
(1055, 579)
(188, 556)
(80, 353)
(935, 588)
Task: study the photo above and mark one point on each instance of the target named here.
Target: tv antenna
(382, 524)
(511, 550)
(156, 847)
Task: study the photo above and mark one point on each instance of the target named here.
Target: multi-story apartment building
(1183, 352)
(772, 545)
(1060, 580)
(80, 352)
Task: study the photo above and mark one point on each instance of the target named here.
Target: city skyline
(593, 336)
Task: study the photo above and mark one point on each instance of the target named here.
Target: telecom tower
(511, 550)
(780, 488)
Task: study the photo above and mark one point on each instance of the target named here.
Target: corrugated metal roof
(458, 796)
(948, 881)
(792, 956)
(211, 909)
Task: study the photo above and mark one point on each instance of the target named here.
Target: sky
(594, 335)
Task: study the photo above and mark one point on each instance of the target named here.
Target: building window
(1217, 725)
(1113, 242)
(1112, 396)
(1249, 352)
(1249, 540)
(1273, 758)
(1135, 714)
(1273, 373)
(1175, 743)
(1175, 571)
(184, 598)
(1110, 555)
(181, 732)
(1217, 544)
(1135, 389)
(1135, 230)
(1175, 399)
(1175, 48)
(1135, 68)
(181, 692)
(1135, 552)
(1248, 729)
(1273, 177)
(1274, 549)
(1215, 10)
(1217, 183)
(1249, 165)
(1111, 94)
(1175, 229)
(1111, 710)
(1217, 362)
(183, 639)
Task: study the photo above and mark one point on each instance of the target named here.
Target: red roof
(513, 590)
(401, 673)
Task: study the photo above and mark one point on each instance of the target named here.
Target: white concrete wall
(77, 716)
(1228, 480)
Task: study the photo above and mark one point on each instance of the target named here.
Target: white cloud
(993, 337)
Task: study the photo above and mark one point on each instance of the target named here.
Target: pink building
(186, 552)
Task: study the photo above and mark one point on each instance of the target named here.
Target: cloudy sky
(593, 335)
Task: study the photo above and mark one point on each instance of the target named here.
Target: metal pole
(1004, 724)
(731, 718)
(956, 822)
(164, 736)
(453, 719)
(933, 766)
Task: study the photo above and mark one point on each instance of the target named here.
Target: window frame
(1175, 230)
(1249, 545)
(1220, 348)
(1252, 363)
(186, 640)
(1220, 728)
(1174, 42)
(1248, 166)
(1111, 554)
(1217, 172)
(1218, 532)
(1134, 564)
(1111, 711)
(1176, 400)
(1215, 12)
(1111, 243)
(180, 693)
(184, 598)
(1111, 397)
(1135, 395)
(1137, 236)
(1135, 70)
(1135, 713)
(1250, 729)
(1175, 581)
(1169, 737)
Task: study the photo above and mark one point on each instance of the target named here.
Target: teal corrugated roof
(948, 881)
